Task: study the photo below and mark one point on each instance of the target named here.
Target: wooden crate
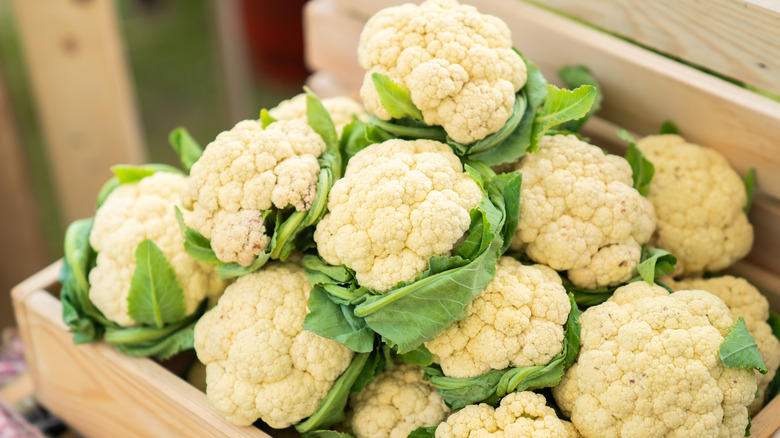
(102, 393)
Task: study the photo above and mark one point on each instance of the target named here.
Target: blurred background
(85, 84)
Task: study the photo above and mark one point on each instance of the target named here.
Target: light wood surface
(83, 95)
(15, 391)
(100, 392)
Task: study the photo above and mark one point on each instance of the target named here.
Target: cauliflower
(520, 415)
(648, 366)
(458, 64)
(517, 320)
(260, 362)
(580, 213)
(746, 301)
(395, 403)
(341, 110)
(399, 204)
(246, 171)
(698, 199)
(132, 213)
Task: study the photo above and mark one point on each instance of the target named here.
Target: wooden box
(102, 393)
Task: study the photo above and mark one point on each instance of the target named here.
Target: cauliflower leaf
(561, 105)
(395, 98)
(187, 149)
(739, 349)
(642, 170)
(750, 185)
(156, 297)
(574, 76)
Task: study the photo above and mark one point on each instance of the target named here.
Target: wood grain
(83, 94)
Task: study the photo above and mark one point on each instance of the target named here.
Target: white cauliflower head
(395, 403)
(520, 415)
(260, 362)
(246, 171)
(648, 366)
(341, 110)
(399, 204)
(517, 320)
(698, 199)
(743, 299)
(132, 213)
(458, 64)
(580, 213)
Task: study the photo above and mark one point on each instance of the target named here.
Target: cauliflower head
(341, 110)
(698, 199)
(580, 213)
(648, 366)
(132, 213)
(246, 171)
(260, 362)
(458, 64)
(399, 204)
(395, 403)
(743, 299)
(516, 320)
(520, 415)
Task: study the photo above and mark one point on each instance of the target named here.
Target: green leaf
(320, 272)
(179, 341)
(502, 134)
(187, 149)
(197, 246)
(375, 134)
(573, 77)
(668, 127)
(353, 140)
(655, 263)
(739, 349)
(234, 270)
(129, 174)
(560, 106)
(319, 119)
(338, 322)
(155, 297)
(774, 386)
(327, 434)
(75, 286)
(404, 128)
(750, 185)
(331, 410)
(423, 432)
(642, 170)
(419, 356)
(265, 118)
(395, 98)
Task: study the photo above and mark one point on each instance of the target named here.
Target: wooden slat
(22, 248)
(737, 38)
(82, 88)
(234, 57)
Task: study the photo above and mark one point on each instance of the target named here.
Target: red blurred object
(275, 38)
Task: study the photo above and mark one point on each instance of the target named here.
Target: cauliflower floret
(132, 213)
(520, 415)
(395, 403)
(698, 199)
(580, 213)
(516, 320)
(399, 204)
(341, 110)
(648, 366)
(245, 171)
(458, 65)
(260, 362)
(746, 301)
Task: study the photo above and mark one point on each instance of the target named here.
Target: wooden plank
(767, 422)
(328, 51)
(737, 38)
(15, 391)
(22, 247)
(101, 392)
(82, 88)
(234, 57)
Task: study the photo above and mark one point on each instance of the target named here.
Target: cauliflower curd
(516, 321)
(260, 362)
(580, 213)
(458, 64)
(246, 171)
(341, 110)
(132, 213)
(399, 204)
(648, 366)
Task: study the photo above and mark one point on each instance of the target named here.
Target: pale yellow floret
(341, 110)
(648, 366)
(580, 213)
(260, 362)
(132, 213)
(245, 171)
(395, 403)
(457, 63)
(698, 199)
(517, 320)
(746, 301)
(520, 415)
(399, 204)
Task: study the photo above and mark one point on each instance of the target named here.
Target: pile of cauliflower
(307, 245)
